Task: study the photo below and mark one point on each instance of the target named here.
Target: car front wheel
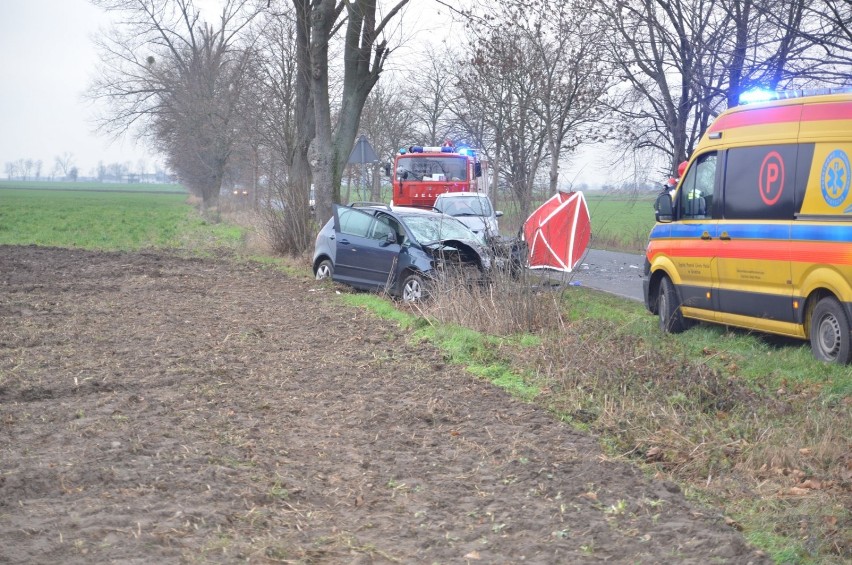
(324, 270)
(830, 334)
(413, 288)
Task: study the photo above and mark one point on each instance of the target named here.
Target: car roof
(402, 211)
(412, 211)
(452, 194)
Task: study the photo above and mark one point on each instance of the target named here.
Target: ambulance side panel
(780, 237)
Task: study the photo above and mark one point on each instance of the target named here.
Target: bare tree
(11, 169)
(500, 82)
(364, 56)
(301, 174)
(431, 91)
(278, 149)
(574, 81)
(116, 171)
(62, 164)
(26, 167)
(535, 82)
(655, 47)
(681, 62)
(179, 78)
(753, 44)
(388, 119)
(827, 25)
(274, 102)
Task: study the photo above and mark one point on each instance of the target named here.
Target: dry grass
(716, 434)
(503, 305)
(779, 462)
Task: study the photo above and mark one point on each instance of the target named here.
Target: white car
(474, 210)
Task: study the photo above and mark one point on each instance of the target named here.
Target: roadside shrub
(286, 220)
(502, 304)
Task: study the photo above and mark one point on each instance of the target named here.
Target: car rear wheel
(830, 333)
(668, 305)
(324, 270)
(413, 288)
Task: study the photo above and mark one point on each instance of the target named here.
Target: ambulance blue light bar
(763, 95)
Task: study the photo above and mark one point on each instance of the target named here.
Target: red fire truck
(420, 174)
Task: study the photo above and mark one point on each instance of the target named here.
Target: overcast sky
(47, 64)
(49, 60)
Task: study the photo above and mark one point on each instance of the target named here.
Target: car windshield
(423, 167)
(427, 229)
(464, 206)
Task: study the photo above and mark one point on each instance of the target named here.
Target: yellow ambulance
(759, 231)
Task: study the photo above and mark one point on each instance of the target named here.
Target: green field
(96, 186)
(619, 221)
(106, 220)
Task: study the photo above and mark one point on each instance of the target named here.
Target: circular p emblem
(771, 180)
(834, 179)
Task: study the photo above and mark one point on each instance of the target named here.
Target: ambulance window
(696, 191)
(760, 182)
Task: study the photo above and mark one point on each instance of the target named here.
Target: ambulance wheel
(830, 339)
(668, 306)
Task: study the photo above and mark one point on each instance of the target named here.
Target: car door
(380, 258)
(351, 227)
(365, 257)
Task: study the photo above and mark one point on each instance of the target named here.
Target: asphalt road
(610, 271)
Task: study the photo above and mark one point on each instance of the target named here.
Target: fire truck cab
(420, 174)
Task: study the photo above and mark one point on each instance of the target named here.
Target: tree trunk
(363, 62)
(300, 171)
(554, 169)
(320, 154)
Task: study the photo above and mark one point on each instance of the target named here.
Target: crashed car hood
(455, 244)
(465, 246)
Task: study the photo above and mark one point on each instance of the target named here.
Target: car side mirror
(390, 239)
(663, 208)
(498, 214)
(477, 169)
(387, 168)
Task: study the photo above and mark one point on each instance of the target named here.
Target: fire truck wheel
(668, 304)
(830, 334)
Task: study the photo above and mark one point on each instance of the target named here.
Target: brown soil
(160, 409)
